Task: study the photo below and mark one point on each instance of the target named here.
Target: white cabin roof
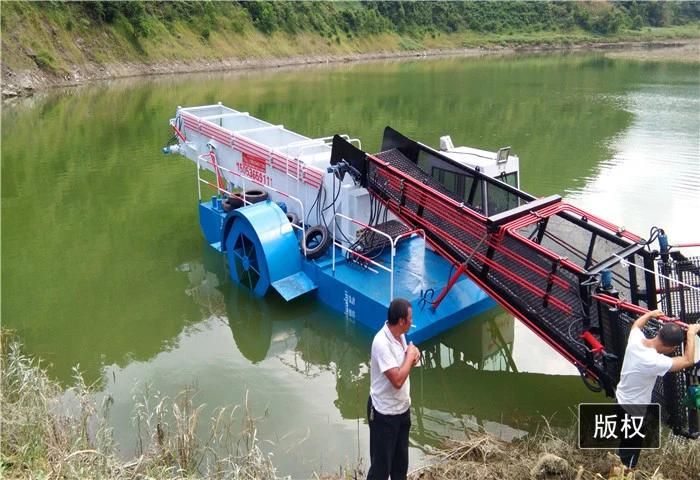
(473, 156)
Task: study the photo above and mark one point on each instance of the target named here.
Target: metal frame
(200, 181)
(392, 241)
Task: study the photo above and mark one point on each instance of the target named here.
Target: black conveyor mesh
(681, 300)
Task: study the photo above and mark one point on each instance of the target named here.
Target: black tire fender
(316, 241)
(255, 195)
(293, 218)
(233, 202)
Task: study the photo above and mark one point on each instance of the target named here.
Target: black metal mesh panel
(566, 326)
(635, 274)
(566, 240)
(422, 202)
(370, 241)
(681, 300)
(458, 182)
(571, 241)
(613, 333)
(670, 392)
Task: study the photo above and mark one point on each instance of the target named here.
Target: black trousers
(388, 444)
(630, 449)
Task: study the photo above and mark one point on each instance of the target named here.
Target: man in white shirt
(645, 360)
(388, 406)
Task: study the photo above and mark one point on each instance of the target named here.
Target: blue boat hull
(361, 295)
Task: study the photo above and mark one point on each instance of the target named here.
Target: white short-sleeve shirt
(388, 353)
(640, 369)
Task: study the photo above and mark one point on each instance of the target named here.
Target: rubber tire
(229, 204)
(254, 195)
(234, 201)
(320, 249)
(293, 218)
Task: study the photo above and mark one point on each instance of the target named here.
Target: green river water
(104, 266)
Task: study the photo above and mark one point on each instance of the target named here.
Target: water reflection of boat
(247, 317)
(251, 326)
(455, 389)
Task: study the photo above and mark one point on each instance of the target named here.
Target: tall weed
(51, 432)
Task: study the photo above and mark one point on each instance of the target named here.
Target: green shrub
(45, 61)
(609, 22)
(637, 22)
(239, 19)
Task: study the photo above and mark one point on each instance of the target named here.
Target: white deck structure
(246, 152)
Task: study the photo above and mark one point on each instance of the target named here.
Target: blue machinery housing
(263, 251)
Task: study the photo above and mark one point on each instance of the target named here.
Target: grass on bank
(51, 433)
(550, 455)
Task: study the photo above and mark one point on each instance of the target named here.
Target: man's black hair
(397, 310)
(671, 335)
